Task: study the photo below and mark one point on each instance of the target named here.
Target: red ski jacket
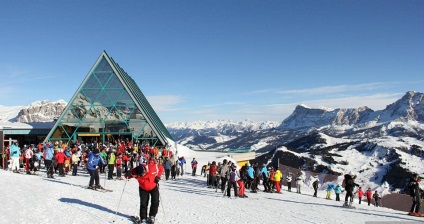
(146, 181)
(60, 157)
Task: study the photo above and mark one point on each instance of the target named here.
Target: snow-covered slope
(38, 200)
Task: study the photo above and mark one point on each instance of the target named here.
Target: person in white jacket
(289, 181)
(299, 180)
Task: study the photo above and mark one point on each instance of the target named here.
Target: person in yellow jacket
(277, 178)
(111, 165)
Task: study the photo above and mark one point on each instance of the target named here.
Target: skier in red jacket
(360, 193)
(148, 176)
(369, 196)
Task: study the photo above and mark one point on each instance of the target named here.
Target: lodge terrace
(108, 105)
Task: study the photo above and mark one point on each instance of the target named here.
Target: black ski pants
(416, 203)
(49, 167)
(167, 171)
(144, 202)
(173, 171)
(110, 168)
(233, 185)
(94, 177)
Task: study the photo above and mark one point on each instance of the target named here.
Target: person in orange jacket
(148, 176)
(360, 193)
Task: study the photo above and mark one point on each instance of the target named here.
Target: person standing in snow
(377, 198)
(223, 173)
(173, 167)
(360, 193)
(167, 166)
(299, 180)
(369, 196)
(60, 158)
(212, 175)
(338, 190)
(289, 181)
(28, 155)
(242, 181)
(315, 186)
(250, 176)
(75, 161)
(330, 188)
(48, 160)
(265, 177)
(15, 153)
(414, 192)
(148, 177)
(194, 167)
(277, 178)
(111, 164)
(94, 162)
(349, 185)
(182, 161)
(233, 177)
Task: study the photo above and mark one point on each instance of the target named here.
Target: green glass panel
(125, 98)
(102, 112)
(114, 94)
(103, 99)
(103, 77)
(115, 115)
(92, 82)
(91, 94)
(114, 83)
(137, 115)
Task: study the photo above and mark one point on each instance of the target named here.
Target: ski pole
(117, 207)
(161, 202)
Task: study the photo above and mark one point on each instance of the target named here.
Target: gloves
(157, 179)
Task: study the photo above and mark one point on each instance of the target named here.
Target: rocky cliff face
(409, 108)
(41, 111)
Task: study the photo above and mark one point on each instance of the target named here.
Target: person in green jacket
(111, 164)
(103, 154)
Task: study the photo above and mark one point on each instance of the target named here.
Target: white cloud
(165, 103)
(327, 89)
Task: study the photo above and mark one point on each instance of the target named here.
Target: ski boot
(151, 219)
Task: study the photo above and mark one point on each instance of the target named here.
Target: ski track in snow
(36, 199)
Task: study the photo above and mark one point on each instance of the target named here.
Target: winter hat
(96, 151)
(139, 170)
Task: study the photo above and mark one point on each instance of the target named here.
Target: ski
(135, 219)
(99, 189)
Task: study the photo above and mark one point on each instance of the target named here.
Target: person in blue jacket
(250, 176)
(265, 176)
(15, 153)
(338, 190)
(93, 163)
(182, 161)
(48, 163)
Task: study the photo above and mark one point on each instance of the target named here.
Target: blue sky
(209, 60)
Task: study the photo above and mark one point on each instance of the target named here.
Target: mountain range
(383, 145)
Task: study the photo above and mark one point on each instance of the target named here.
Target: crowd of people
(225, 176)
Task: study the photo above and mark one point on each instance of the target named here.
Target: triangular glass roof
(109, 106)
